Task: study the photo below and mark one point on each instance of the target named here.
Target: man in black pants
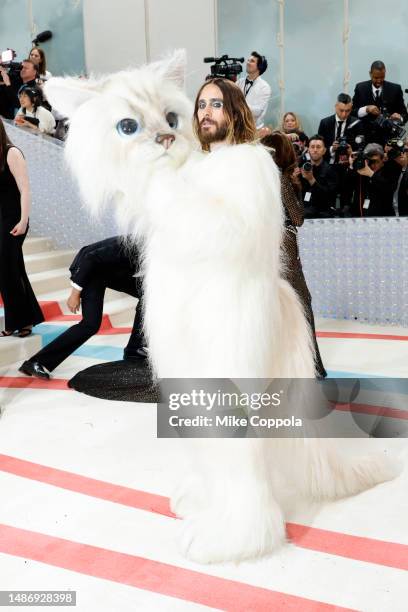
(102, 265)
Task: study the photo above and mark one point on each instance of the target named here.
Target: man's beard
(207, 137)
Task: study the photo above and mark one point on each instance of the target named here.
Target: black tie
(339, 126)
(377, 98)
(248, 85)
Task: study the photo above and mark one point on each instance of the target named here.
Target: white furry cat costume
(212, 227)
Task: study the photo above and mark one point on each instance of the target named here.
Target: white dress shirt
(257, 98)
(362, 112)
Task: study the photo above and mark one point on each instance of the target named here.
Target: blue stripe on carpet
(48, 333)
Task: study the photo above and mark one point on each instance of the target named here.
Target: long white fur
(212, 226)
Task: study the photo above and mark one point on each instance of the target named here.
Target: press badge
(308, 195)
(366, 203)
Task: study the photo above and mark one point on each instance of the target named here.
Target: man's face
(376, 162)
(316, 150)
(252, 67)
(27, 72)
(343, 110)
(210, 114)
(377, 77)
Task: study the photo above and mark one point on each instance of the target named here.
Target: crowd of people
(21, 94)
(355, 163)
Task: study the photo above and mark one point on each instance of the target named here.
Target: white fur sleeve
(245, 182)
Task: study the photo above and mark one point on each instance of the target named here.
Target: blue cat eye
(128, 127)
(172, 120)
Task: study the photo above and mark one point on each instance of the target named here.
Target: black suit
(391, 100)
(378, 191)
(322, 194)
(327, 129)
(105, 264)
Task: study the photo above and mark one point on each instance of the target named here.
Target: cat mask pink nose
(165, 139)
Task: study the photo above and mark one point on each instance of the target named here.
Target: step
(61, 296)
(48, 260)
(36, 245)
(121, 311)
(52, 280)
(13, 349)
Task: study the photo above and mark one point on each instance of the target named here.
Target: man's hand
(396, 117)
(74, 301)
(366, 171)
(308, 176)
(373, 110)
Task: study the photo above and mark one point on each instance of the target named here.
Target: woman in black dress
(21, 309)
(285, 158)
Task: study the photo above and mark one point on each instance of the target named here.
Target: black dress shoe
(34, 368)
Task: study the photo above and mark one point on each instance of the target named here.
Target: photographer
(376, 98)
(318, 180)
(395, 168)
(337, 132)
(371, 188)
(257, 91)
(12, 80)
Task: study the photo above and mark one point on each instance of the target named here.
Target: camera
(6, 60)
(305, 163)
(225, 67)
(342, 149)
(360, 158)
(392, 128)
(397, 148)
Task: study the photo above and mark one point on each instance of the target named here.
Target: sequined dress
(293, 271)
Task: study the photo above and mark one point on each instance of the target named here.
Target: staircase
(47, 269)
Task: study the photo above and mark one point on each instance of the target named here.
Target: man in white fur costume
(212, 226)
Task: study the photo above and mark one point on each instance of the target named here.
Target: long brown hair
(240, 122)
(42, 66)
(4, 143)
(283, 153)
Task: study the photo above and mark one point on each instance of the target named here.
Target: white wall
(114, 34)
(129, 32)
(184, 23)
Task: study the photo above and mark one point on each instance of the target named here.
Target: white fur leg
(242, 520)
(234, 532)
(323, 473)
(188, 497)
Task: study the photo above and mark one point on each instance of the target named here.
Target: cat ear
(68, 94)
(172, 67)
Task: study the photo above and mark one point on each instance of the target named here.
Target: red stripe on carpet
(393, 413)
(370, 550)
(150, 575)
(88, 486)
(329, 334)
(24, 382)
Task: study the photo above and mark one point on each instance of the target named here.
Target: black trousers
(21, 308)
(92, 297)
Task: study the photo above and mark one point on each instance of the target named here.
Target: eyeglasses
(214, 103)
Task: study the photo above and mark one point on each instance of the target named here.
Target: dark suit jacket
(109, 259)
(392, 99)
(327, 129)
(323, 192)
(379, 189)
